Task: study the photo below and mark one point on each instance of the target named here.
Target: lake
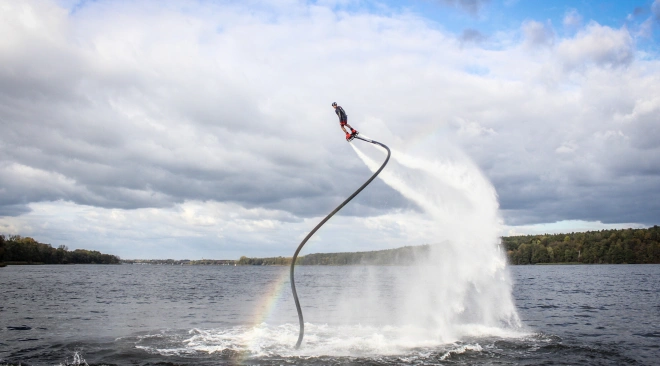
(226, 315)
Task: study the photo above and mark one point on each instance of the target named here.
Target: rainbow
(264, 309)
(266, 305)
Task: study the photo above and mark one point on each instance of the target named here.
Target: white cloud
(473, 129)
(196, 230)
(147, 123)
(572, 19)
(538, 34)
(599, 45)
(567, 147)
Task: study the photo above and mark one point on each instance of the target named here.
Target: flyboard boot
(354, 132)
(349, 136)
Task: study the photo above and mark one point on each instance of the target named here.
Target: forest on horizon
(16, 249)
(630, 246)
(616, 246)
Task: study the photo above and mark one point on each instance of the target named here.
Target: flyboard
(295, 255)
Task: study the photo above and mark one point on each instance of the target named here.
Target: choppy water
(220, 315)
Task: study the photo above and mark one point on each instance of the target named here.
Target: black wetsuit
(343, 117)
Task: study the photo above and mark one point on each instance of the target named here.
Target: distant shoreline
(20, 263)
(622, 246)
(18, 250)
(383, 265)
(154, 262)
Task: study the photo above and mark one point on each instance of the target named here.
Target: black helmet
(334, 104)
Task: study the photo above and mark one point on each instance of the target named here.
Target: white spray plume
(462, 288)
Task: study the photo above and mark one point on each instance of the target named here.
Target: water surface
(215, 315)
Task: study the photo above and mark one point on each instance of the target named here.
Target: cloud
(567, 147)
(642, 121)
(472, 7)
(572, 19)
(638, 11)
(644, 19)
(212, 124)
(131, 118)
(196, 230)
(472, 36)
(472, 129)
(597, 44)
(538, 34)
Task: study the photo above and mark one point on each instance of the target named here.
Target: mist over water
(463, 287)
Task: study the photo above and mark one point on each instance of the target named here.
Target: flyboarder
(343, 121)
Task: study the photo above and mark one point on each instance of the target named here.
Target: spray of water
(462, 288)
(460, 291)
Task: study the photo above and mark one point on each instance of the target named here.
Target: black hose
(295, 255)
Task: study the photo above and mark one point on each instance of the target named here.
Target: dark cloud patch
(377, 199)
(655, 9)
(470, 35)
(613, 184)
(139, 184)
(612, 190)
(13, 210)
(640, 10)
(123, 165)
(538, 34)
(472, 7)
(137, 135)
(603, 203)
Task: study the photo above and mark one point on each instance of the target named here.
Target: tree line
(25, 250)
(592, 247)
(181, 262)
(399, 256)
(620, 246)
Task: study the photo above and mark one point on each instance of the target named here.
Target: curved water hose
(295, 255)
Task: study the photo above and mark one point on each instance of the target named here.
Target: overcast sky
(177, 129)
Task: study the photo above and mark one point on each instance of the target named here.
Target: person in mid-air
(343, 121)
